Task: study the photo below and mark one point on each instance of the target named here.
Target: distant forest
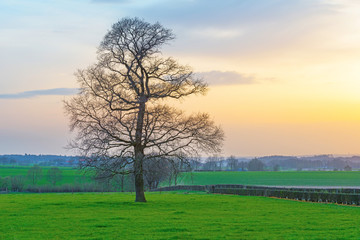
(267, 163)
(42, 160)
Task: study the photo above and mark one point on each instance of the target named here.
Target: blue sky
(278, 70)
(44, 42)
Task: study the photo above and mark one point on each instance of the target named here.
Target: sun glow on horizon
(284, 75)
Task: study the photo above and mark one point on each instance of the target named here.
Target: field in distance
(69, 175)
(282, 178)
(286, 178)
(172, 216)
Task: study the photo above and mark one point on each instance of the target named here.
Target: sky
(284, 76)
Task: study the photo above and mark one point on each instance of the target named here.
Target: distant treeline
(42, 160)
(214, 163)
(278, 163)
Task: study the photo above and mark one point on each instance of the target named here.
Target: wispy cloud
(216, 33)
(226, 78)
(43, 92)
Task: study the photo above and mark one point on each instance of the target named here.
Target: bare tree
(212, 163)
(195, 164)
(104, 175)
(176, 167)
(34, 174)
(155, 171)
(120, 114)
(221, 163)
(54, 175)
(120, 181)
(233, 163)
(256, 165)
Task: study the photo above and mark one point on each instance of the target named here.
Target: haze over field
(283, 75)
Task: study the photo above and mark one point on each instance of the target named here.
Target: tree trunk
(139, 155)
(139, 182)
(122, 183)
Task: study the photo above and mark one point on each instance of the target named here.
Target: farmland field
(172, 216)
(69, 175)
(288, 178)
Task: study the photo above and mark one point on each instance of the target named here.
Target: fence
(313, 194)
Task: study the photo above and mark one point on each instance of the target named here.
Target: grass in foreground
(290, 178)
(172, 216)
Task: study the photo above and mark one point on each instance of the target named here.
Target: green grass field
(172, 216)
(69, 175)
(291, 178)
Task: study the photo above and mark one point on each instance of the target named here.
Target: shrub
(17, 183)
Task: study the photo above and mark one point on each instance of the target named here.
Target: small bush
(17, 183)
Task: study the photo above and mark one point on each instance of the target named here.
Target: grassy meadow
(286, 178)
(172, 216)
(69, 175)
(180, 215)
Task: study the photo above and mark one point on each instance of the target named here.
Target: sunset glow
(284, 76)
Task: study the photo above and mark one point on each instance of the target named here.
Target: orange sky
(284, 75)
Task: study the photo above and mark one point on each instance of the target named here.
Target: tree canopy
(121, 116)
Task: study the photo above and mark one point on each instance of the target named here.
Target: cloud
(44, 92)
(217, 33)
(232, 28)
(225, 78)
